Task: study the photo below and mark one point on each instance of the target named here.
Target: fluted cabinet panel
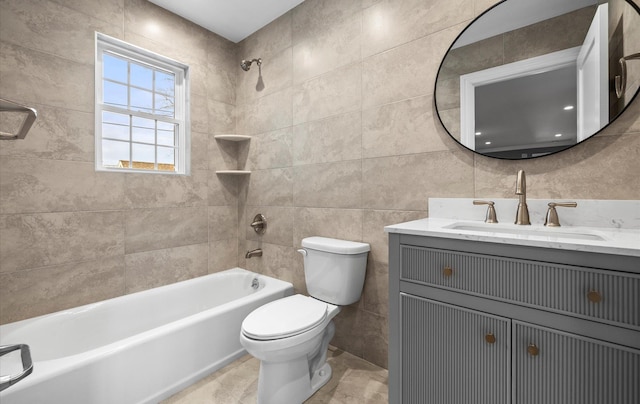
(446, 358)
(555, 287)
(571, 369)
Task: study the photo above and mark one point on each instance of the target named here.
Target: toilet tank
(334, 269)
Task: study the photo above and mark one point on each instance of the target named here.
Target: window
(142, 110)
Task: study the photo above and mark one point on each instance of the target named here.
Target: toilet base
(290, 382)
(320, 378)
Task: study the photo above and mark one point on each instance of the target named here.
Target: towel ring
(621, 80)
(10, 106)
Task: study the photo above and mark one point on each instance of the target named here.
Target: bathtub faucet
(254, 253)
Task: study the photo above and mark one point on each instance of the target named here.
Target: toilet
(290, 336)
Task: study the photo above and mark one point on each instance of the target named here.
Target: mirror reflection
(533, 77)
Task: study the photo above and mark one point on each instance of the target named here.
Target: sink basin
(554, 233)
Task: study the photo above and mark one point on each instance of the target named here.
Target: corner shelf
(233, 138)
(233, 172)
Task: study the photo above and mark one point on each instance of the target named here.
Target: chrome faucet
(254, 253)
(522, 214)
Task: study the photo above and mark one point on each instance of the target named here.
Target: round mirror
(533, 77)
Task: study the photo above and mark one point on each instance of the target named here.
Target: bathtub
(138, 348)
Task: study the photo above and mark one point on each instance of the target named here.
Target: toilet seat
(284, 318)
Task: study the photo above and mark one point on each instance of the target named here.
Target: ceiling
(515, 14)
(231, 19)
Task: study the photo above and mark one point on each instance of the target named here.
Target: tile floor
(354, 380)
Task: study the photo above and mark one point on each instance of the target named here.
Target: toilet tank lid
(334, 245)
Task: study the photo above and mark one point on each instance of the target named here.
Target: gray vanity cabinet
(555, 367)
(478, 322)
(456, 356)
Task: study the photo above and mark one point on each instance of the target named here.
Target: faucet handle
(491, 211)
(552, 220)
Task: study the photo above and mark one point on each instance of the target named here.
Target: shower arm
(246, 64)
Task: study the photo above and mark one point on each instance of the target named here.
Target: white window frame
(105, 43)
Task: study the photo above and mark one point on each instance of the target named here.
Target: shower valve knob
(259, 223)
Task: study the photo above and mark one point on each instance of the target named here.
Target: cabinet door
(553, 367)
(452, 355)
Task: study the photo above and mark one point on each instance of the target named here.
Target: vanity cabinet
(457, 356)
(481, 322)
(552, 367)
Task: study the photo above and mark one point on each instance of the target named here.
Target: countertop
(614, 241)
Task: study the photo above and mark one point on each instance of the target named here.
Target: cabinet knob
(447, 272)
(533, 350)
(490, 338)
(594, 296)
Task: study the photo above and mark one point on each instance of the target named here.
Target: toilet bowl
(290, 336)
(292, 358)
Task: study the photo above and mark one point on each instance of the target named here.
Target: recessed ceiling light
(558, 134)
(568, 108)
(487, 142)
(478, 133)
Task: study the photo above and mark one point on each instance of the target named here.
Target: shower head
(246, 64)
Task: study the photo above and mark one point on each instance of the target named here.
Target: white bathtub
(138, 348)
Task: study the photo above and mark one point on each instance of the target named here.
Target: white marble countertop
(574, 238)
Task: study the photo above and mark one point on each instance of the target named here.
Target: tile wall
(70, 235)
(346, 140)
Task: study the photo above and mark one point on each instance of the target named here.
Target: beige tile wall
(70, 235)
(346, 140)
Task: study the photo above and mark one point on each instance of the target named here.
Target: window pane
(115, 154)
(115, 126)
(165, 83)
(165, 105)
(141, 76)
(115, 131)
(143, 156)
(143, 130)
(141, 100)
(112, 117)
(166, 159)
(114, 68)
(114, 94)
(166, 133)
